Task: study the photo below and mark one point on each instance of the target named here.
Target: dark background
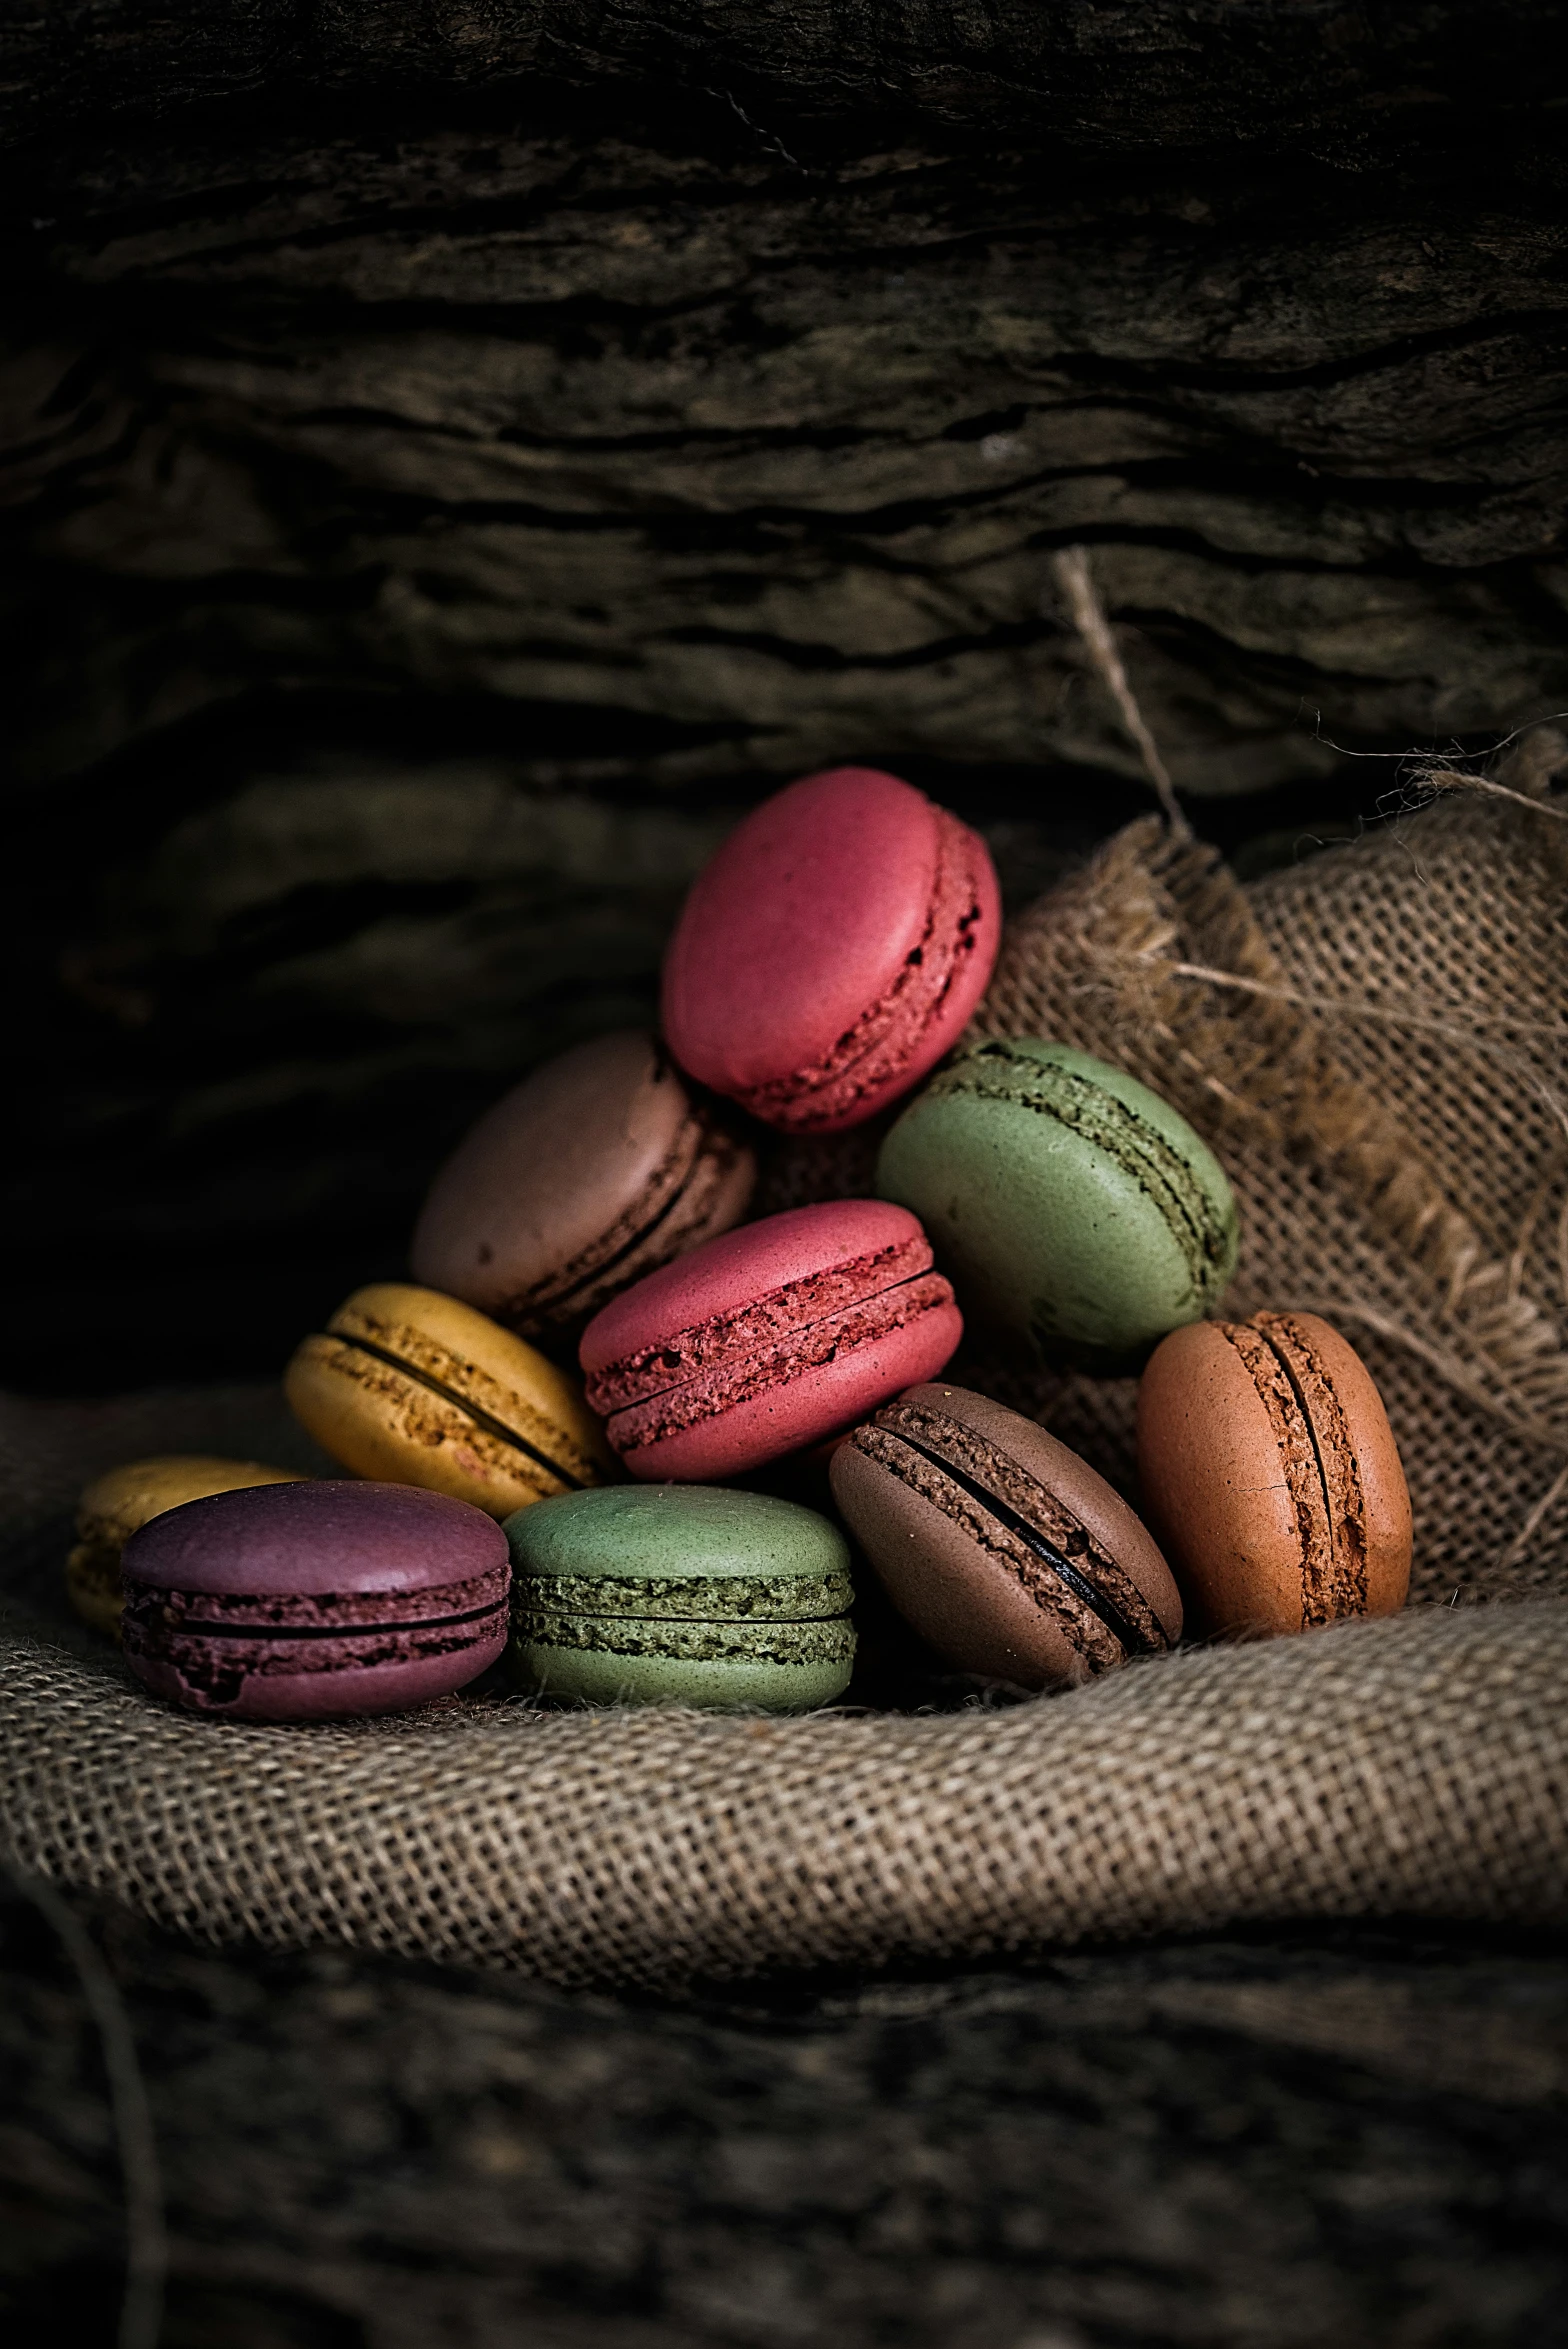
(455, 458)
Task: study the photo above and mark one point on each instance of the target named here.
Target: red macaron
(768, 1339)
(831, 951)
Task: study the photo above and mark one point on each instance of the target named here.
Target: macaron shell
(672, 1550)
(1385, 1523)
(304, 1601)
(601, 1676)
(1098, 1507)
(480, 1362)
(715, 1196)
(92, 1584)
(1049, 1228)
(316, 1538)
(826, 886)
(387, 1421)
(808, 944)
(116, 1504)
(1216, 1490)
(959, 952)
(544, 1209)
(334, 1693)
(786, 1416)
(944, 1587)
(901, 1035)
(960, 1596)
(729, 1274)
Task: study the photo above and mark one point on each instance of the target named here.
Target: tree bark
(714, 469)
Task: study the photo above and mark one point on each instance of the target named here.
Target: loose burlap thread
(1374, 1042)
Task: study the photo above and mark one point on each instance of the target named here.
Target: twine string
(1533, 1523)
(1071, 565)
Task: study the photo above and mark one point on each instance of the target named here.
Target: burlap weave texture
(1387, 1086)
(1372, 1769)
(1375, 1044)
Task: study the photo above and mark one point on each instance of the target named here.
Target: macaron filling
(486, 1422)
(718, 1363)
(1025, 1526)
(886, 1041)
(1319, 1460)
(1198, 1223)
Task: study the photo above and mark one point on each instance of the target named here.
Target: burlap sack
(1375, 1044)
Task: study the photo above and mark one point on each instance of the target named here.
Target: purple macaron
(301, 1602)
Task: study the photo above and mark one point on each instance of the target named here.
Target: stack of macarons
(822, 974)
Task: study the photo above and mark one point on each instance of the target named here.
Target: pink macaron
(768, 1339)
(831, 951)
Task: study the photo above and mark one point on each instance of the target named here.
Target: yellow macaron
(120, 1501)
(412, 1387)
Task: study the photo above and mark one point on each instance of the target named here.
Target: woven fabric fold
(1417, 1767)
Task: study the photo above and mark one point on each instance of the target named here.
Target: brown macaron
(1005, 1551)
(597, 1169)
(1270, 1472)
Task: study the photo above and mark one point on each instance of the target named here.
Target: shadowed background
(457, 459)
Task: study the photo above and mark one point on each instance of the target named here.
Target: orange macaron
(1270, 1476)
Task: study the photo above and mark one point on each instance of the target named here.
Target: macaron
(832, 950)
(297, 1602)
(597, 1169)
(1267, 1467)
(680, 1594)
(117, 1503)
(1078, 1214)
(768, 1339)
(412, 1387)
(1007, 1553)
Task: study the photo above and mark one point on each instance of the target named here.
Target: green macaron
(680, 1594)
(1078, 1215)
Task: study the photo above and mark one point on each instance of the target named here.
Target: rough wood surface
(689, 467)
(1355, 2139)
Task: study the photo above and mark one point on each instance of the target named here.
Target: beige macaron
(412, 1387)
(118, 1503)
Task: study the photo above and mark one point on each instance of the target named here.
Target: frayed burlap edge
(1229, 1027)
(1154, 958)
